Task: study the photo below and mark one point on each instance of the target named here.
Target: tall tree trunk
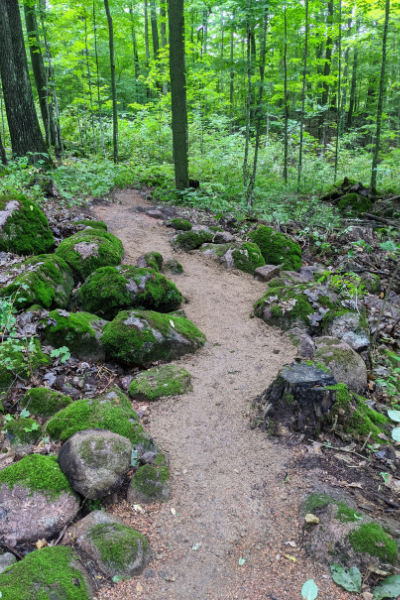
(134, 46)
(353, 84)
(345, 80)
(98, 79)
(248, 100)
(222, 53)
(285, 159)
(338, 120)
(327, 68)
(178, 92)
(205, 31)
(113, 84)
(23, 123)
(89, 84)
(163, 44)
(303, 98)
(146, 34)
(3, 156)
(154, 28)
(232, 76)
(380, 100)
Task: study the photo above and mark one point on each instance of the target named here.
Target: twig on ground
(380, 219)
(389, 502)
(341, 450)
(60, 537)
(366, 441)
(12, 550)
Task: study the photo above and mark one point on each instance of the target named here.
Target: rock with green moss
(150, 483)
(191, 240)
(115, 549)
(153, 260)
(167, 380)
(345, 364)
(244, 256)
(24, 228)
(37, 499)
(171, 265)
(112, 410)
(93, 224)
(95, 462)
(180, 224)
(53, 573)
(89, 250)
(371, 282)
(19, 360)
(109, 290)
(44, 280)
(141, 337)
(80, 332)
(277, 248)
(285, 306)
(43, 402)
(23, 434)
(349, 326)
(352, 204)
(345, 535)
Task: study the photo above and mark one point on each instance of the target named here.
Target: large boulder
(89, 250)
(95, 461)
(24, 228)
(349, 326)
(151, 483)
(53, 573)
(277, 248)
(115, 549)
(190, 240)
(345, 364)
(80, 332)
(45, 280)
(112, 410)
(16, 363)
(244, 256)
(36, 500)
(141, 337)
(166, 380)
(109, 290)
(43, 402)
(284, 306)
(23, 434)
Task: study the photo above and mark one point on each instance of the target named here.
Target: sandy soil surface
(236, 493)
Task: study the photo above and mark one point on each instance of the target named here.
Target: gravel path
(235, 492)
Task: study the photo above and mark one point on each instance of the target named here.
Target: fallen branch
(380, 219)
(342, 450)
(12, 550)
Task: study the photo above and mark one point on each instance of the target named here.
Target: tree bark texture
(353, 87)
(146, 34)
(3, 156)
(26, 136)
(178, 92)
(327, 67)
(285, 91)
(113, 83)
(303, 98)
(154, 28)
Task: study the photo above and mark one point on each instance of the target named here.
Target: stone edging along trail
(236, 493)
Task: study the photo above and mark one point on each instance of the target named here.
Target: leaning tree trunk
(113, 84)
(380, 100)
(23, 122)
(178, 92)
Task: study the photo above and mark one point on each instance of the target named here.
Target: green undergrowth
(117, 544)
(44, 402)
(27, 230)
(25, 431)
(19, 360)
(167, 380)
(277, 248)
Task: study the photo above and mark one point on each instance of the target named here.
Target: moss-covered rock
(277, 248)
(44, 402)
(109, 290)
(371, 282)
(353, 204)
(47, 574)
(180, 224)
(349, 326)
(150, 484)
(153, 260)
(190, 240)
(89, 250)
(80, 332)
(244, 256)
(44, 280)
(23, 227)
(141, 337)
(23, 434)
(110, 411)
(19, 360)
(93, 224)
(345, 364)
(284, 306)
(167, 380)
(173, 266)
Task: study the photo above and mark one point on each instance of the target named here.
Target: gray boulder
(267, 272)
(223, 237)
(345, 364)
(349, 327)
(6, 560)
(95, 461)
(303, 341)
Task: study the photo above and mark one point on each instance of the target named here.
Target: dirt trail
(236, 493)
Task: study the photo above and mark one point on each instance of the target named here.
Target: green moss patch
(277, 248)
(173, 266)
(248, 257)
(353, 204)
(316, 501)
(140, 337)
(109, 290)
(190, 240)
(46, 280)
(347, 515)
(117, 545)
(150, 482)
(166, 380)
(284, 306)
(153, 260)
(43, 402)
(26, 230)
(23, 432)
(89, 250)
(94, 224)
(181, 224)
(20, 360)
(38, 473)
(46, 574)
(372, 539)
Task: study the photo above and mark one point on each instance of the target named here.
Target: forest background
(283, 99)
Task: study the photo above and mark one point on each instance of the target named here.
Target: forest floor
(236, 492)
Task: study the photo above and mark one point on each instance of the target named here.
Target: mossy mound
(191, 240)
(18, 363)
(89, 250)
(372, 539)
(141, 337)
(80, 332)
(345, 364)
(110, 411)
(153, 260)
(247, 257)
(43, 402)
(94, 224)
(150, 484)
(109, 290)
(173, 266)
(24, 227)
(46, 574)
(353, 204)
(180, 224)
(284, 306)
(46, 280)
(155, 383)
(277, 248)
(23, 434)
(38, 473)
